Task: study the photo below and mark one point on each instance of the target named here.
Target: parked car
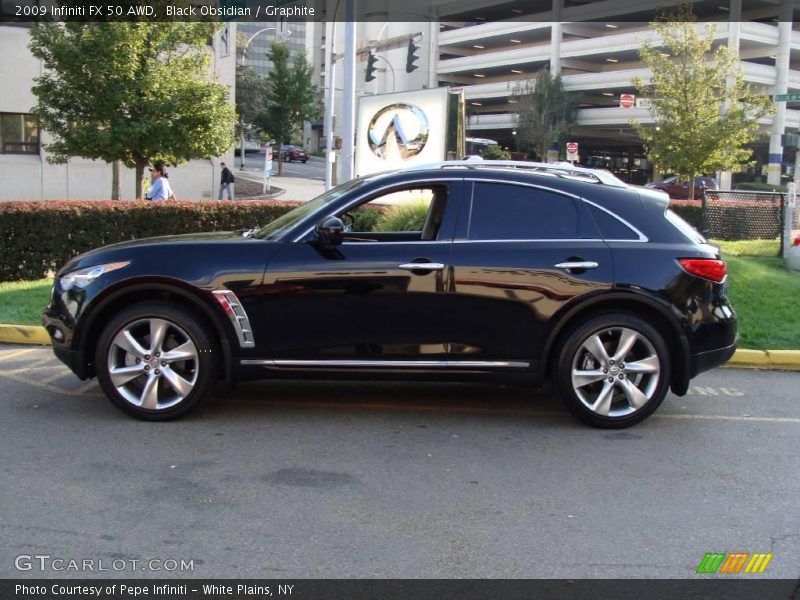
(519, 271)
(680, 189)
(291, 153)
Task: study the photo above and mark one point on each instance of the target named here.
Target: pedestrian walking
(160, 188)
(226, 182)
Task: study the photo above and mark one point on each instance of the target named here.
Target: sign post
(572, 152)
(267, 169)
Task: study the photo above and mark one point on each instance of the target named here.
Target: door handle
(578, 264)
(422, 266)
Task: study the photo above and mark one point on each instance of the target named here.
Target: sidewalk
(297, 188)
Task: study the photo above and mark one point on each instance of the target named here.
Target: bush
(690, 210)
(37, 237)
(754, 186)
(408, 217)
(495, 152)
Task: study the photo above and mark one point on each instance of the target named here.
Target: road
(313, 169)
(328, 479)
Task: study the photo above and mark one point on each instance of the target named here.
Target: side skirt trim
(386, 364)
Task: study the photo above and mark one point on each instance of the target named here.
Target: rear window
(687, 230)
(513, 212)
(612, 228)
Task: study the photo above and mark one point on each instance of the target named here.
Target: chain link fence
(747, 223)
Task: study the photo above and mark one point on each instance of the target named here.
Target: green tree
(495, 152)
(546, 113)
(703, 111)
(133, 92)
(292, 98)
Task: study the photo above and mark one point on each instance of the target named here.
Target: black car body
(519, 271)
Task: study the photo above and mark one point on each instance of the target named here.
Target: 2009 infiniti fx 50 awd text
(511, 271)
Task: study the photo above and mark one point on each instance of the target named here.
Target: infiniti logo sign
(398, 131)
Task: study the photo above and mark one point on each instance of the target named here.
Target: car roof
(571, 179)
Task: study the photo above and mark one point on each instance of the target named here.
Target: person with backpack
(226, 181)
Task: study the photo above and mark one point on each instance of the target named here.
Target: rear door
(521, 255)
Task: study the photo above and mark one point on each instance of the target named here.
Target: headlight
(82, 277)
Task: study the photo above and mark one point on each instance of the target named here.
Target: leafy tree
(292, 98)
(546, 113)
(251, 94)
(704, 113)
(495, 152)
(133, 92)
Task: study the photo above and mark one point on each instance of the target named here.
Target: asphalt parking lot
(323, 479)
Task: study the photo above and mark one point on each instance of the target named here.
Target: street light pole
(244, 52)
(349, 101)
(330, 91)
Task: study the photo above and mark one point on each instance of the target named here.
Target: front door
(379, 296)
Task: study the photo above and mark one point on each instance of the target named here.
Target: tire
(305, 161)
(150, 386)
(594, 372)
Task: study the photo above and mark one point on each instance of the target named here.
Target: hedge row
(690, 210)
(37, 237)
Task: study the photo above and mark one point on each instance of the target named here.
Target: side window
(412, 211)
(513, 212)
(610, 227)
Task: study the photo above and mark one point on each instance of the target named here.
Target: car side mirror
(330, 231)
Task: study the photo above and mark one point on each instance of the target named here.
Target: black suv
(486, 270)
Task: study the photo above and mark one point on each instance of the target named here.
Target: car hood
(164, 243)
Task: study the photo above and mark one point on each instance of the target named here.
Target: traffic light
(411, 58)
(371, 60)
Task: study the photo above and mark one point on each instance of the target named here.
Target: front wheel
(155, 362)
(612, 371)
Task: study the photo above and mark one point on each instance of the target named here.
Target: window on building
(19, 134)
(513, 212)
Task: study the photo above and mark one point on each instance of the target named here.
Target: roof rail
(560, 169)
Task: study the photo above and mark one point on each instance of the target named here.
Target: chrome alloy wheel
(615, 372)
(153, 363)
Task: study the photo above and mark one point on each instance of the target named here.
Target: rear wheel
(155, 362)
(612, 371)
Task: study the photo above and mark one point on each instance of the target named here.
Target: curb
(23, 334)
(774, 360)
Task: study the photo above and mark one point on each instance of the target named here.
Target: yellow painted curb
(778, 360)
(23, 334)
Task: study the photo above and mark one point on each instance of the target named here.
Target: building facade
(487, 48)
(25, 173)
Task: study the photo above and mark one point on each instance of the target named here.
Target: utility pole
(349, 98)
(330, 93)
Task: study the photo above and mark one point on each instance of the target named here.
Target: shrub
(495, 152)
(755, 186)
(37, 237)
(407, 217)
(365, 219)
(690, 210)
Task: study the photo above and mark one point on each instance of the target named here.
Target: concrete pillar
(781, 87)
(555, 38)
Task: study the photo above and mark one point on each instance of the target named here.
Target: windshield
(284, 223)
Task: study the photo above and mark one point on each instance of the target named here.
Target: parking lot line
(11, 355)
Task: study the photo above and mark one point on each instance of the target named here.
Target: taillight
(707, 268)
